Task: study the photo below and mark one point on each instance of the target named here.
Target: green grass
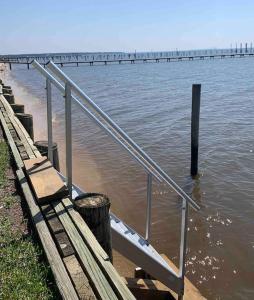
(4, 162)
(8, 201)
(22, 275)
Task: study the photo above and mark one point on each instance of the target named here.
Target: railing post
(68, 138)
(184, 223)
(148, 206)
(49, 119)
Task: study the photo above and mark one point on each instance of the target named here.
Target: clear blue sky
(119, 25)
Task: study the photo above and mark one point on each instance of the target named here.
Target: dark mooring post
(18, 108)
(10, 98)
(27, 121)
(196, 90)
(94, 208)
(42, 146)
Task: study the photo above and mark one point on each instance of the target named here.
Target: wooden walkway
(81, 268)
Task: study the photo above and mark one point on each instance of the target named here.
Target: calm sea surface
(152, 103)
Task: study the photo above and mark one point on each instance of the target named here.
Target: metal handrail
(162, 174)
(94, 118)
(111, 128)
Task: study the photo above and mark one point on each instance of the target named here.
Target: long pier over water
(105, 58)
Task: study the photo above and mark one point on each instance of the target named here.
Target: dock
(79, 59)
(81, 268)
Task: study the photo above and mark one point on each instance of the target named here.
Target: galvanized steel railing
(105, 122)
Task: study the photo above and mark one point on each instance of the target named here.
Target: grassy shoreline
(23, 275)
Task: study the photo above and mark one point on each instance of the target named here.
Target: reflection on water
(152, 103)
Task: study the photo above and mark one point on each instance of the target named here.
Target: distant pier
(91, 59)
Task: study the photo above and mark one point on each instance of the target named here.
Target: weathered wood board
(54, 224)
(101, 257)
(81, 282)
(63, 281)
(46, 183)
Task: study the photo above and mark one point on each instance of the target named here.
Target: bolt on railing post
(148, 206)
(184, 223)
(68, 137)
(49, 120)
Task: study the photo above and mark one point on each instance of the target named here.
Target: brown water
(152, 103)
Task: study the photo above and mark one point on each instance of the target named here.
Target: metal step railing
(71, 93)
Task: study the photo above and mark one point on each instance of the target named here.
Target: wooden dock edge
(101, 280)
(61, 276)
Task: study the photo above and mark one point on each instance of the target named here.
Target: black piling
(18, 108)
(42, 146)
(27, 121)
(196, 91)
(10, 98)
(94, 208)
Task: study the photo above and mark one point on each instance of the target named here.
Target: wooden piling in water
(18, 108)
(7, 90)
(94, 208)
(196, 90)
(27, 121)
(42, 146)
(10, 98)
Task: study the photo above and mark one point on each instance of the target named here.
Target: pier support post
(196, 91)
(42, 146)
(18, 108)
(7, 90)
(94, 208)
(10, 98)
(27, 121)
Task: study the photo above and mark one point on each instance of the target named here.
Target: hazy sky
(120, 25)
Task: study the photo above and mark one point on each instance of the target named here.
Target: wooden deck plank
(15, 130)
(62, 241)
(61, 276)
(14, 149)
(22, 132)
(45, 181)
(52, 219)
(99, 254)
(81, 282)
(63, 244)
(22, 138)
(23, 135)
(94, 273)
